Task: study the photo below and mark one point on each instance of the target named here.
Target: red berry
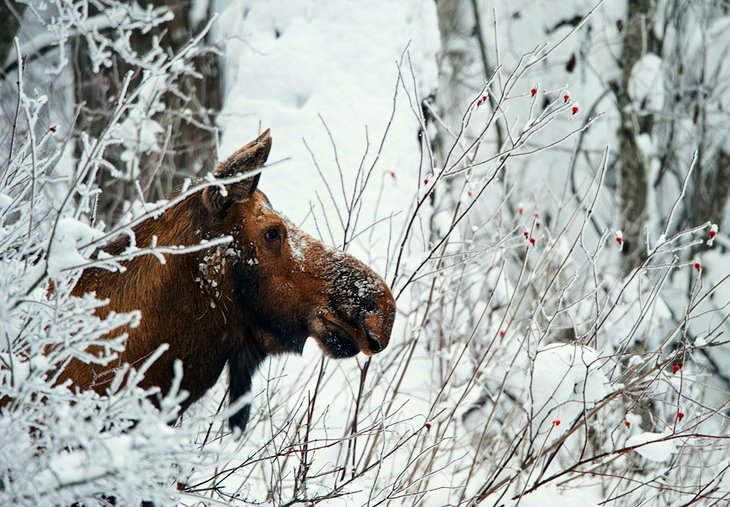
(468, 193)
(520, 210)
(501, 333)
(574, 109)
(53, 129)
(532, 241)
(537, 224)
(536, 214)
(675, 368)
(392, 174)
(534, 91)
(680, 415)
(680, 363)
(619, 240)
(628, 424)
(556, 422)
(566, 97)
(484, 98)
(526, 234)
(425, 182)
(479, 102)
(713, 234)
(428, 426)
(698, 266)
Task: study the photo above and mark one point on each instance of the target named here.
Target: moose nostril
(368, 305)
(373, 343)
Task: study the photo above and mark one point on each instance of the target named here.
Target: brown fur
(238, 303)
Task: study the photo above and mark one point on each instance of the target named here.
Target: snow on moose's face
(293, 287)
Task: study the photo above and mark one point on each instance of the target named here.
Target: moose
(262, 294)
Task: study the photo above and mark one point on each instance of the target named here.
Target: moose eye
(272, 235)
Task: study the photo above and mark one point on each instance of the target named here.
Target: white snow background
(333, 79)
(300, 67)
(304, 68)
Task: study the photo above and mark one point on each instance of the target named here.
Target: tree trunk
(633, 169)
(718, 184)
(10, 16)
(191, 148)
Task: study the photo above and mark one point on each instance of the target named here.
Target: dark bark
(708, 187)
(10, 15)
(715, 190)
(191, 147)
(633, 170)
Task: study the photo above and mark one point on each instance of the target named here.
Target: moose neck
(178, 306)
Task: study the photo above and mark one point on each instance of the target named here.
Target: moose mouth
(341, 340)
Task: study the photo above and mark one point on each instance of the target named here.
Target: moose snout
(378, 325)
(360, 310)
(376, 342)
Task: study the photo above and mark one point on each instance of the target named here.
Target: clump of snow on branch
(566, 380)
(646, 86)
(653, 446)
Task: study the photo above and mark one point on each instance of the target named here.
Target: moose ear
(247, 159)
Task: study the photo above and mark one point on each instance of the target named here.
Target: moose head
(265, 292)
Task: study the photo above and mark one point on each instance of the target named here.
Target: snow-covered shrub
(527, 368)
(59, 446)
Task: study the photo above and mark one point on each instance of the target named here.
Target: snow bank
(294, 67)
(646, 85)
(653, 446)
(565, 380)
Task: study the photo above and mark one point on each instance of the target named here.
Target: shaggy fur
(264, 293)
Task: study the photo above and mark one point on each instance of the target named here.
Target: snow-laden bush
(57, 445)
(60, 446)
(526, 367)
